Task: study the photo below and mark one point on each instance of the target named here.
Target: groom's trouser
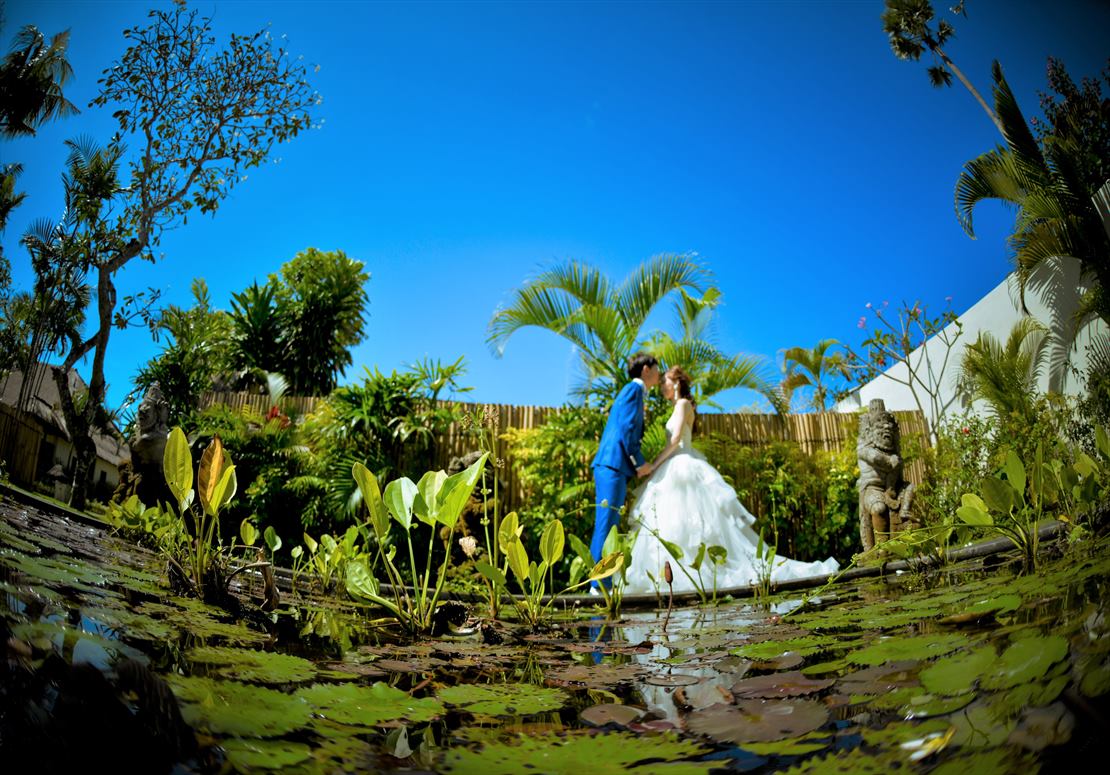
(610, 488)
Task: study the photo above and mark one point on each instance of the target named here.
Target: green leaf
(456, 492)
(248, 532)
(696, 564)
(672, 548)
(272, 539)
(607, 566)
(1084, 465)
(372, 497)
(718, 555)
(177, 465)
(1026, 660)
(493, 574)
(998, 495)
(209, 475)
(310, 543)
(360, 582)
(551, 542)
(401, 496)
(581, 549)
(518, 560)
(954, 675)
(1102, 441)
(1015, 471)
(429, 486)
(508, 533)
(221, 493)
(368, 706)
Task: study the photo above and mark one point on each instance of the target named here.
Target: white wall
(996, 312)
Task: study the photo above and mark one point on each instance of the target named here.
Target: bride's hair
(681, 381)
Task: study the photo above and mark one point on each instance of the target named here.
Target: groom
(618, 455)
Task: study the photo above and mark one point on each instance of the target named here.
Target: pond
(970, 668)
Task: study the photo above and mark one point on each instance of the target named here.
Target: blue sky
(466, 146)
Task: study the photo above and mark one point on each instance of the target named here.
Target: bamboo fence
(826, 431)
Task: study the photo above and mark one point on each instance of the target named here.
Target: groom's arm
(633, 425)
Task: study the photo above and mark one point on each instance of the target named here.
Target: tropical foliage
(1046, 184)
(814, 368)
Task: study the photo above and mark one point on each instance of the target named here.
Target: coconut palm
(1005, 376)
(605, 322)
(814, 367)
(1055, 217)
(31, 80)
(907, 22)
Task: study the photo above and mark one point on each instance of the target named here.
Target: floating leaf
(955, 674)
(1026, 660)
(790, 684)
(368, 706)
(611, 713)
(503, 699)
(575, 753)
(921, 647)
(231, 708)
(254, 666)
(997, 761)
(750, 721)
(249, 755)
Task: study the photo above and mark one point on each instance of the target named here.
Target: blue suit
(618, 457)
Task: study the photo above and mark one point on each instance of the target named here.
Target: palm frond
(652, 281)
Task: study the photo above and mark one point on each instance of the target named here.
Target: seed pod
(668, 575)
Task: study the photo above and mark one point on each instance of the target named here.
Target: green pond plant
(1020, 496)
(535, 580)
(717, 556)
(437, 499)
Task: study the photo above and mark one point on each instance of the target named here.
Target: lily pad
(1029, 659)
(253, 666)
(1042, 727)
(854, 762)
(798, 746)
(921, 647)
(672, 679)
(249, 755)
(601, 676)
(232, 708)
(880, 679)
(752, 721)
(790, 684)
(503, 699)
(977, 726)
(611, 713)
(956, 673)
(927, 705)
(772, 649)
(997, 761)
(1013, 702)
(368, 706)
(575, 753)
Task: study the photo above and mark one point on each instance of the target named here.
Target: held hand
(644, 470)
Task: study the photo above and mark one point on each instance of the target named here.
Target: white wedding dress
(687, 502)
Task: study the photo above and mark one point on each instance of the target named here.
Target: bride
(686, 502)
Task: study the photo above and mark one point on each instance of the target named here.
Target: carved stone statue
(149, 445)
(885, 498)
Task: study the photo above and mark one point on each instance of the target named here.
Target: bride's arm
(682, 409)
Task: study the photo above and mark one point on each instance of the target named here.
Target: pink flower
(948, 299)
(868, 305)
(862, 323)
(886, 304)
(966, 429)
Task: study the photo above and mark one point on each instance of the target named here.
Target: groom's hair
(638, 362)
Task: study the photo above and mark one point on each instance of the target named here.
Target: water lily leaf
(798, 746)
(503, 699)
(368, 706)
(996, 761)
(924, 705)
(751, 721)
(893, 736)
(601, 676)
(611, 713)
(954, 674)
(253, 666)
(1013, 702)
(825, 668)
(786, 661)
(880, 679)
(977, 726)
(1026, 660)
(231, 708)
(1041, 727)
(1094, 676)
(854, 762)
(672, 679)
(576, 752)
(789, 684)
(771, 649)
(249, 755)
(894, 648)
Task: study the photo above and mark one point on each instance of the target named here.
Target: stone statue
(149, 445)
(885, 498)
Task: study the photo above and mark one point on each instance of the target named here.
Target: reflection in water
(686, 636)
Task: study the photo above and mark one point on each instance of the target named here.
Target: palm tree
(605, 322)
(31, 80)
(1005, 376)
(1055, 217)
(906, 22)
(602, 319)
(813, 368)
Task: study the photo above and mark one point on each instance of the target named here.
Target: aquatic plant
(436, 499)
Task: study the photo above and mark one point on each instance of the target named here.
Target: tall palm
(31, 80)
(814, 367)
(711, 370)
(907, 23)
(1055, 217)
(602, 319)
(1005, 375)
